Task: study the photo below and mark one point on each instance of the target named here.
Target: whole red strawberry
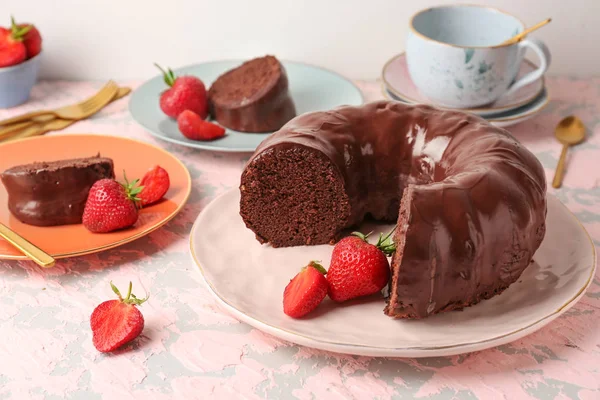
(32, 38)
(306, 291)
(359, 268)
(192, 126)
(185, 93)
(111, 205)
(12, 49)
(117, 322)
(155, 185)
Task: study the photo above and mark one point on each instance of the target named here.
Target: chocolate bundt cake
(469, 199)
(53, 193)
(253, 97)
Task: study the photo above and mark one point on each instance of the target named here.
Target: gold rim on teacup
(497, 10)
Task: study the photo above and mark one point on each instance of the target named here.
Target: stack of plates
(510, 110)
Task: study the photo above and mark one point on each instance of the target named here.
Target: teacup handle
(544, 56)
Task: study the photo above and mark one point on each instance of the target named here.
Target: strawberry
(32, 38)
(111, 205)
(117, 322)
(185, 93)
(194, 127)
(306, 291)
(12, 49)
(155, 184)
(359, 268)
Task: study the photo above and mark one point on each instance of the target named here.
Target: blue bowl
(16, 82)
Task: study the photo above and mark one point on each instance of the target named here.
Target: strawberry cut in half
(115, 323)
(305, 291)
(193, 127)
(155, 185)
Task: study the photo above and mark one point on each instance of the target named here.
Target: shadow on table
(562, 340)
(138, 252)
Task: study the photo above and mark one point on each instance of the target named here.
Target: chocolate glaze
(474, 205)
(53, 193)
(266, 110)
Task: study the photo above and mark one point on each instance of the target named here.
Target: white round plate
(312, 89)
(397, 80)
(501, 119)
(248, 280)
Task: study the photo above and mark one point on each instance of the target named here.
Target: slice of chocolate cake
(253, 97)
(53, 193)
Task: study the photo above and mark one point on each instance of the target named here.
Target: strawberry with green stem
(31, 37)
(359, 268)
(12, 48)
(117, 322)
(111, 205)
(184, 93)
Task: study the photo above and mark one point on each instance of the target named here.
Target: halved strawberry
(117, 322)
(306, 291)
(155, 185)
(193, 127)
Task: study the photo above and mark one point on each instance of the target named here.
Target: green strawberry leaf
(130, 298)
(317, 265)
(386, 244)
(168, 75)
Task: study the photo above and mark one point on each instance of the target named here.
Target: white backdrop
(100, 39)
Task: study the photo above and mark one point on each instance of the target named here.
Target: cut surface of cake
(53, 193)
(468, 199)
(253, 97)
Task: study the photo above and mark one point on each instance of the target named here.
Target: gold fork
(74, 112)
(39, 128)
(38, 255)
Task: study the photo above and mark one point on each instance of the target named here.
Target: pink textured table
(191, 349)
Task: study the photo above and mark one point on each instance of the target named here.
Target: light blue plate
(312, 89)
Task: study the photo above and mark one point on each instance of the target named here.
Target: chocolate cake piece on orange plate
(53, 193)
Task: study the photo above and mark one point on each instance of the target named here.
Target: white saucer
(248, 280)
(500, 119)
(398, 82)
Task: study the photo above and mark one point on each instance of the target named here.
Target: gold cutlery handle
(29, 249)
(560, 168)
(11, 128)
(25, 117)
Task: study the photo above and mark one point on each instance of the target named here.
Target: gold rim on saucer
(474, 110)
(385, 90)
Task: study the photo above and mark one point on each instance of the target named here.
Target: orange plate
(130, 155)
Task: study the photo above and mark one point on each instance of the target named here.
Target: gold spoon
(526, 32)
(569, 131)
(38, 255)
